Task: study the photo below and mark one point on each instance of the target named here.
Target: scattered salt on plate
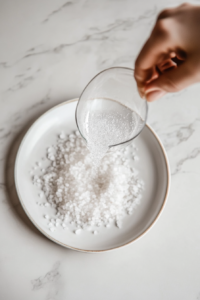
(83, 196)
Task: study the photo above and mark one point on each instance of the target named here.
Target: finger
(155, 46)
(155, 95)
(151, 54)
(180, 54)
(160, 68)
(154, 74)
(166, 13)
(166, 65)
(173, 80)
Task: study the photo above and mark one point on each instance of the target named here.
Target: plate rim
(57, 241)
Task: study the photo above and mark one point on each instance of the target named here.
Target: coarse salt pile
(85, 197)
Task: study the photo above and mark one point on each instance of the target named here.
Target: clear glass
(113, 89)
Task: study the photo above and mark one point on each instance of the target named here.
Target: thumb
(171, 81)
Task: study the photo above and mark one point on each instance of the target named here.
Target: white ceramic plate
(153, 167)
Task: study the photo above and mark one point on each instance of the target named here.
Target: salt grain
(61, 136)
(85, 196)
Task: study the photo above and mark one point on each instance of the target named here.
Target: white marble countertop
(50, 49)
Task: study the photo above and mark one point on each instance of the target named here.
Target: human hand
(170, 59)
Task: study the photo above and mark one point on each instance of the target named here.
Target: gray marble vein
(4, 65)
(50, 277)
(5, 135)
(102, 34)
(195, 153)
(23, 80)
(43, 101)
(49, 282)
(145, 15)
(66, 4)
(22, 84)
(19, 75)
(177, 135)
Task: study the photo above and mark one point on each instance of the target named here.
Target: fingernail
(142, 95)
(154, 95)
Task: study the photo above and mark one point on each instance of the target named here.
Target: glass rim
(76, 119)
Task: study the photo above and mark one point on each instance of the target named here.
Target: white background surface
(49, 51)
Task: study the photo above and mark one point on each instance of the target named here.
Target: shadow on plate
(10, 182)
(9, 176)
